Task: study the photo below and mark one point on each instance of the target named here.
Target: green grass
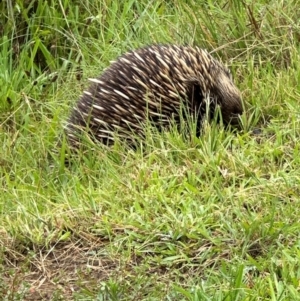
(208, 218)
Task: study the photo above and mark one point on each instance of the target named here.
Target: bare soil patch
(59, 272)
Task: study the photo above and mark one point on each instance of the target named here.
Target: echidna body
(152, 83)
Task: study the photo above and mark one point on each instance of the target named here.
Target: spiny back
(152, 82)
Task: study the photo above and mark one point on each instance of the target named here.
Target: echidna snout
(228, 98)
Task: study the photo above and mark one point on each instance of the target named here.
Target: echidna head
(227, 96)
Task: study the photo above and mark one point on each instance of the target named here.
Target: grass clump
(208, 218)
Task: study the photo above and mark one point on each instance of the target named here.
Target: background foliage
(211, 218)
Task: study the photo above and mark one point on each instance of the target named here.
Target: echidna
(152, 83)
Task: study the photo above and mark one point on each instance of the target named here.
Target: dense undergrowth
(208, 218)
